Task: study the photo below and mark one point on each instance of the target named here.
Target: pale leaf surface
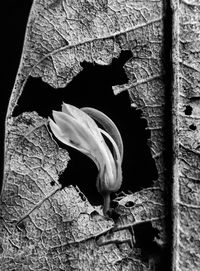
(45, 226)
(186, 200)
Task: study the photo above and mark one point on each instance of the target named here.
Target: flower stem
(106, 203)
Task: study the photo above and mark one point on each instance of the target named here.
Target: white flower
(76, 128)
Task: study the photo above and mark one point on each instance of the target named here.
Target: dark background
(14, 15)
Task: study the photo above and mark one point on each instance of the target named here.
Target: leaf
(46, 227)
(186, 103)
(38, 216)
(62, 34)
(33, 162)
(147, 93)
(146, 205)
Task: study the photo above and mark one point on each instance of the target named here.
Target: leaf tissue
(45, 226)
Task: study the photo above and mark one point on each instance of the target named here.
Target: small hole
(188, 110)
(193, 127)
(82, 196)
(129, 204)
(21, 226)
(192, 239)
(1, 249)
(94, 214)
(52, 183)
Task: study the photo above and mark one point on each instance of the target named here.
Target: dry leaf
(45, 227)
(186, 87)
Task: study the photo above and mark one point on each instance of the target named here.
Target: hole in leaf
(144, 235)
(1, 249)
(191, 239)
(52, 183)
(92, 87)
(129, 204)
(21, 226)
(82, 196)
(81, 91)
(188, 110)
(150, 250)
(94, 214)
(193, 127)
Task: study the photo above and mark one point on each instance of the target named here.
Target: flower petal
(90, 125)
(72, 130)
(68, 131)
(108, 125)
(76, 128)
(83, 118)
(114, 184)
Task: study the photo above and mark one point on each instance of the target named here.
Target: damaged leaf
(45, 226)
(186, 132)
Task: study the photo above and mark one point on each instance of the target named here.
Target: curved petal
(108, 125)
(60, 136)
(90, 126)
(114, 185)
(84, 118)
(117, 155)
(73, 130)
(76, 128)
(74, 137)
